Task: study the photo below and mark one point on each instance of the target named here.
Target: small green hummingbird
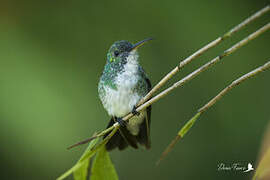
(122, 85)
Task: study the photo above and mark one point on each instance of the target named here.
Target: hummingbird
(122, 85)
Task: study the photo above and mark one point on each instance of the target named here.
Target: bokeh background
(53, 52)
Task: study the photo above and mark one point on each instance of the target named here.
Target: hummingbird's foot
(121, 122)
(134, 112)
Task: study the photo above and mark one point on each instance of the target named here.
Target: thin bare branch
(203, 50)
(100, 134)
(213, 101)
(233, 84)
(205, 66)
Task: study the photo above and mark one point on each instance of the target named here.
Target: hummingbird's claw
(121, 122)
(134, 112)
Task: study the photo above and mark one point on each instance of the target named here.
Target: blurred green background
(53, 52)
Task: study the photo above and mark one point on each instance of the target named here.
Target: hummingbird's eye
(116, 53)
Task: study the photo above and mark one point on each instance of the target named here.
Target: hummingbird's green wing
(148, 117)
(144, 134)
(147, 121)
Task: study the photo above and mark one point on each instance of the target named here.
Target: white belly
(121, 101)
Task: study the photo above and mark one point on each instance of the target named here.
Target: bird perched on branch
(122, 85)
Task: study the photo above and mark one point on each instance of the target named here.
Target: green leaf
(82, 172)
(90, 152)
(188, 125)
(80, 166)
(102, 168)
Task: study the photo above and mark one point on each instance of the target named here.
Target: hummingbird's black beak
(139, 44)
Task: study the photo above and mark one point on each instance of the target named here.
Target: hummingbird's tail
(123, 138)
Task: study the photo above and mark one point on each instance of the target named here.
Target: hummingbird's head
(121, 50)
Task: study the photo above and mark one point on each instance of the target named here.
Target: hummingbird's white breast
(119, 102)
